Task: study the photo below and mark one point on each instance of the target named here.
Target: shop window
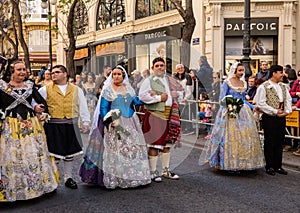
(145, 8)
(142, 59)
(38, 40)
(108, 60)
(263, 48)
(81, 19)
(110, 13)
(169, 50)
(33, 10)
(174, 51)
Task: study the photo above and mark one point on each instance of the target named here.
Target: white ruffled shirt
(144, 93)
(260, 99)
(83, 109)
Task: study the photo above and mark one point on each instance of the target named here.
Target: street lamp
(47, 4)
(246, 40)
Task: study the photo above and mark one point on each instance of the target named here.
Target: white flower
(227, 96)
(2, 114)
(117, 113)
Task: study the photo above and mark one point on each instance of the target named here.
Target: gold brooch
(9, 89)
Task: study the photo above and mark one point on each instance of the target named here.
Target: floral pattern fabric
(234, 143)
(125, 158)
(125, 161)
(26, 170)
(91, 98)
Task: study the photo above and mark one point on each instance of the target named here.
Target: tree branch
(179, 7)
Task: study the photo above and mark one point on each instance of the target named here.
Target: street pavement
(199, 189)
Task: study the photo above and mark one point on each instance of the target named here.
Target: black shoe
(281, 171)
(270, 171)
(70, 183)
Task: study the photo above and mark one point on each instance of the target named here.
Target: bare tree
(72, 42)
(75, 26)
(188, 28)
(5, 24)
(18, 18)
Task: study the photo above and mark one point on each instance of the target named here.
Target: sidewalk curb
(285, 162)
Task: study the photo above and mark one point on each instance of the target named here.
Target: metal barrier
(292, 120)
(293, 123)
(196, 121)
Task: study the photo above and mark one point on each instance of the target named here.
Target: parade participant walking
(66, 103)
(234, 143)
(125, 160)
(161, 125)
(274, 100)
(26, 170)
(89, 89)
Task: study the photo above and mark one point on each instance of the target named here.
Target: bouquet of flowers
(2, 117)
(233, 105)
(111, 120)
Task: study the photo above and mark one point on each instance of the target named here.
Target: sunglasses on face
(159, 65)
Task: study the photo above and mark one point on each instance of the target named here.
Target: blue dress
(235, 143)
(125, 158)
(116, 159)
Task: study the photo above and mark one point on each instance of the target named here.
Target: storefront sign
(110, 48)
(258, 26)
(37, 65)
(160, 34)
(196, 41)
(149, 36)
(81, 53)
(293, 119)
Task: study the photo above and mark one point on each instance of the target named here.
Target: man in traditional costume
(161, 125)
(66, 103)
(274, 100)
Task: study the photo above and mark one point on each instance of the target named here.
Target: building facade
(136, 35)
(273, 32)
(36, 34)
(138, 30)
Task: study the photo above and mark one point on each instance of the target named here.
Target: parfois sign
(258, 26)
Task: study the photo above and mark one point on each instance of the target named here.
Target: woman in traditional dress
(26, 170)
(90, 91)
(124, 162)
(235, 143)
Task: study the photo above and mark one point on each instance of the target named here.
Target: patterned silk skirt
(26, 170)
(125, 158)
(235, 143)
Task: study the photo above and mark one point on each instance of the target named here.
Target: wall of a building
(208, 36)
(287, 13)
